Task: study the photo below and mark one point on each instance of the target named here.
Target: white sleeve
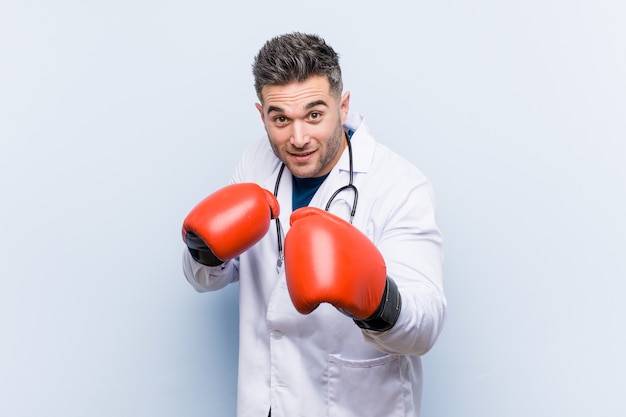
(411, 244)
(209, 278)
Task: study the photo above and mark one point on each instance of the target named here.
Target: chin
(304, 173)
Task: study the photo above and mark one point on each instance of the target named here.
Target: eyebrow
(315, 104)
(308, 106)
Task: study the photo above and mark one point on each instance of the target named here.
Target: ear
(259, 107)
(344, 106)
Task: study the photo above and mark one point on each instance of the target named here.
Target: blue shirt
(303, 190)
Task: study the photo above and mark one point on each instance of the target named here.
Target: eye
(315, 115)
(280, 120)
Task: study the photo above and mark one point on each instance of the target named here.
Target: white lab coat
(322, 364)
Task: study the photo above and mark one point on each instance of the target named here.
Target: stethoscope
(349, 186)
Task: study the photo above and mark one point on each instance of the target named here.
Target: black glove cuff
(200, 251)
(388, 311)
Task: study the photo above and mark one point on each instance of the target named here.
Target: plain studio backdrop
(117, 117)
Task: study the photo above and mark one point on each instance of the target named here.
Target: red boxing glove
(228, 222)
(329, 260)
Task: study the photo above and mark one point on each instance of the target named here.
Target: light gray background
(116, 117)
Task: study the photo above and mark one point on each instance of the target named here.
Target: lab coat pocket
(364, 388)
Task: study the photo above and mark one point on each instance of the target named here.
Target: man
(338, 302)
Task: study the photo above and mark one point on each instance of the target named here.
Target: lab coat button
(276, 334)
(268, 381)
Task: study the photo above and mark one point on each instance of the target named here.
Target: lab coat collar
(362, 145)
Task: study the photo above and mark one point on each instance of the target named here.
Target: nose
(299, 135)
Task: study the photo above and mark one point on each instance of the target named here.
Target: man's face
(304, 123)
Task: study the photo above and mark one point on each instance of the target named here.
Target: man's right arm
(220, 228)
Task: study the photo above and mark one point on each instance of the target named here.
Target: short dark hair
(295, 57)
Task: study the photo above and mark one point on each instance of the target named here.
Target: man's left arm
(391, 287)
(411, 245)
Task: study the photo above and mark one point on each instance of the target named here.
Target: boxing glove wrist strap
(388, 311)
(200, 251)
